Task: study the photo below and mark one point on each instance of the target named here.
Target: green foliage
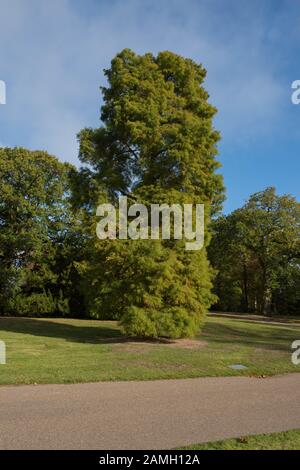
(38, 232)
(35, 304)
(157, 129)
(256, 251)
(157, 144)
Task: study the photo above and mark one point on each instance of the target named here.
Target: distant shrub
(36, 304)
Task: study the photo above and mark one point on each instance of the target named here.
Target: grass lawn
(66, 350)
(289, 440)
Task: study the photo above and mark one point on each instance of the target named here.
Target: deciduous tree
(157, 144)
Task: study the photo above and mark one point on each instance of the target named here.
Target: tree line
(156, 144)
(256, 253)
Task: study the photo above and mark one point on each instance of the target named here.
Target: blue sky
(52, 55)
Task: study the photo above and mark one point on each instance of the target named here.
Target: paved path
(144, 415)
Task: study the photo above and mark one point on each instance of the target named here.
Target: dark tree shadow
(55, 329)
(262, 336)
(106, 332)
(103, 332)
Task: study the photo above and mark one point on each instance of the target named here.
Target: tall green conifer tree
(157, 144)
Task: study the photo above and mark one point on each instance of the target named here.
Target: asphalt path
(159, 414)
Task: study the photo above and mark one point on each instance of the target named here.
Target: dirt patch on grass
(139, 345)
(188, 343)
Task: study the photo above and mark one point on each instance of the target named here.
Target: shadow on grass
(55, 329)
(245, 334)
(250, 334)
(101, 333)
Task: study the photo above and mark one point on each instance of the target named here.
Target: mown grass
(289, 440)
(67, 350)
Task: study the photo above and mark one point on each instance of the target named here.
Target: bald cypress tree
(157, 144)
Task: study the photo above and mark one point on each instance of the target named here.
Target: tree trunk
(245, 288)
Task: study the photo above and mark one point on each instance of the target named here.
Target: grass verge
(289, 440)
(67, 350)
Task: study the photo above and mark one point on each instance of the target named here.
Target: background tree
(157, 144)
(37, 234)
(256, 251)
